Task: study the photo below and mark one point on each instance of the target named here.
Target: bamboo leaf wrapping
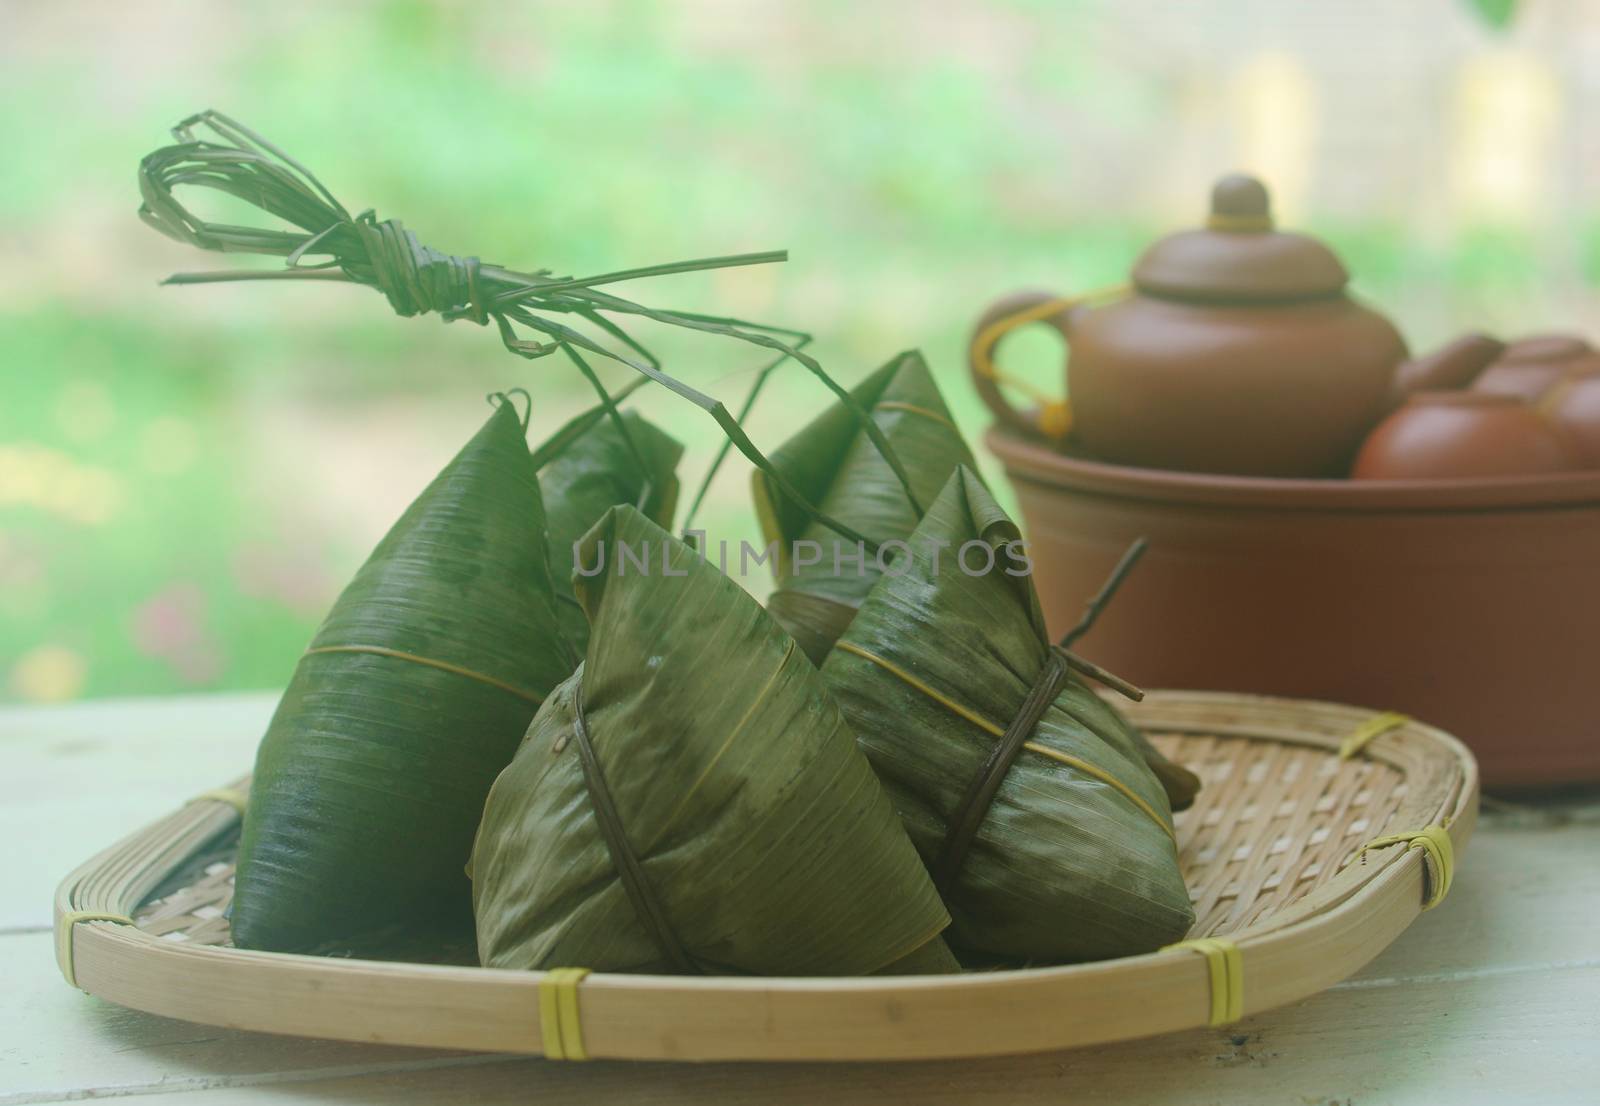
(1065, 866)
(1180, 784)
(835, 466)
(590, 468)
(372, 774)
(758, 824)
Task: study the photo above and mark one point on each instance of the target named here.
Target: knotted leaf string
(216, 152)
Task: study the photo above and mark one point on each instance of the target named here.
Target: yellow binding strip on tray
(1226, 965)
(1434, 841)
(235, 799)
(993, 730)
(443, 666)
(1374, 727)
(64, 929)
(559, 1026)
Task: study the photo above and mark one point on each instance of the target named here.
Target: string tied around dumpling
(647, 904)
(1058, 666)
(974, 805)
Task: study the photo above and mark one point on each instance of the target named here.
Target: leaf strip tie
(414, 278)
(974, 805)
(980, 794)
(647, 905)
(418, 280)
(1104, 777)
(1100, 675)
(901, 405)
(443, 666)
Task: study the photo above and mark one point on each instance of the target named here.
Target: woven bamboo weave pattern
(1273, 821)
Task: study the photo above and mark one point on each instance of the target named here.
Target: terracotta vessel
(1532, 366)
(1547, 348)
(1455, 365)
(1237, 350)
(1575, 406)
(1472, 604)
(1455, 435)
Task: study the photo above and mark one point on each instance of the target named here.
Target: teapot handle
(1052, 417)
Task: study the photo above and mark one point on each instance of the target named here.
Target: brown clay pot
(1547, 348)
(1461, 435)
(1530, 367)
(1523, 381)
(1454, 365)
(1237, 350)
(1470, 604)
(1575, 406)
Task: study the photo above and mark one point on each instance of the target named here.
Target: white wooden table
(1494, 997)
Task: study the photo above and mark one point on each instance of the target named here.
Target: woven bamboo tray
(1272, 852)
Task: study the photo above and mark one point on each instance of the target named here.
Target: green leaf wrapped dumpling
(1067, 853)
(588, 466)
(691, 800)
(412, 696)
(833, 463)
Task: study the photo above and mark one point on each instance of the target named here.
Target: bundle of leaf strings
(218, 153)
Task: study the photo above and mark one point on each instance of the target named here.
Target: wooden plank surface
(76, 779)
(1490, 998)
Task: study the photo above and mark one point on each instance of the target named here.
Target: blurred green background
(187, 475)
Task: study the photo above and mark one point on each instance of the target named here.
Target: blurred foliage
(248, 444)
(1496, 13)
(124, 526)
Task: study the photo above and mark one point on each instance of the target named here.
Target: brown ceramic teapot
(1237, 350)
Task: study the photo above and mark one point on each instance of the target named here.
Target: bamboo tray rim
(1287, 955)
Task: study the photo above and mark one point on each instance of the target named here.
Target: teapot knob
(1240, 202)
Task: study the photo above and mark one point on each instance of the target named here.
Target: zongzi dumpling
(691, 800)
(588, 466)
(1180, 784)
(1067, 853)
(412, 696)
(835, 465)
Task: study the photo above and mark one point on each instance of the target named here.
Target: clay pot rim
(1039, 464)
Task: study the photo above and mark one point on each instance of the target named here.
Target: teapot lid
(1239, 256)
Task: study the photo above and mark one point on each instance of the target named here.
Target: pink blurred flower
(170, 626)
(284, 575)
